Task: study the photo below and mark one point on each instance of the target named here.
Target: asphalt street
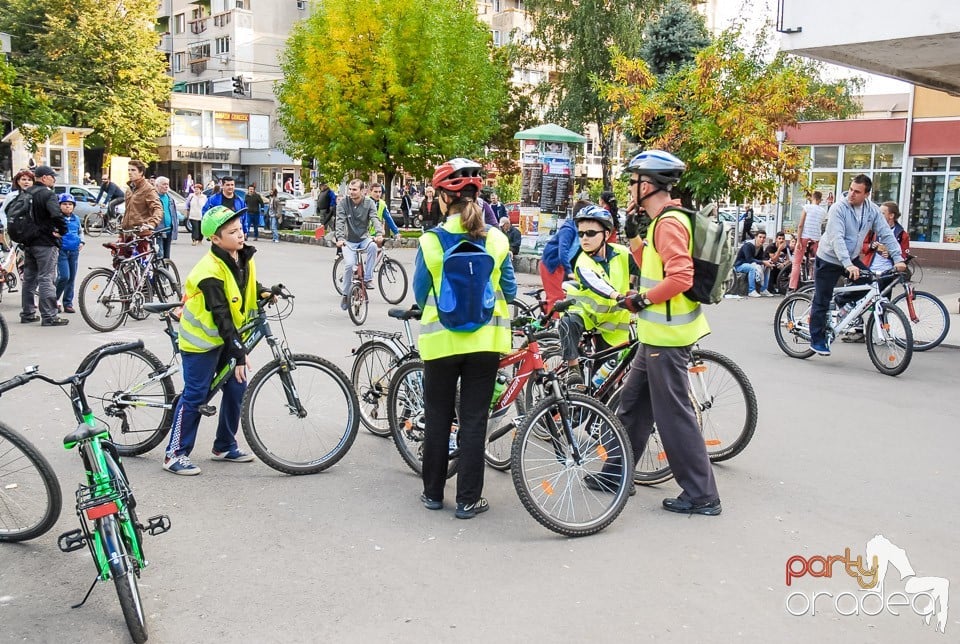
(841, 454)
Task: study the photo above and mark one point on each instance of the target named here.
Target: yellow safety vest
(436, 341)
(198, 331)
(602, 312)
(678, 322)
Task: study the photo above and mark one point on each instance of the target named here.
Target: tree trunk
(606, 144)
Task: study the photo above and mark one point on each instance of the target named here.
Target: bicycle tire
(167, 264)
(392, 276)
(372, 369)
(358, 304)
(933, 319)
(724, 382)
(268, 419)
(601, 446)
(791, 325)
(30, 498)
(406, 412)
(4, 332)
(104, 300)
(653, 467)
(123, 386)
(166, 287)
(895, 325)
(124, 572)
(93, 224)
(501, 431)
(338, 274)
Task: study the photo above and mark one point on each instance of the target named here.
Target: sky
(755, 12)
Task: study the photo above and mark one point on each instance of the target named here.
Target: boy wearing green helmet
(220, 296)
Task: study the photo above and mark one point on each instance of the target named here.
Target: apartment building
(224, 57)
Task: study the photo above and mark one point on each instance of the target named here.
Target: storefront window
(857, 157)
(951, 231)
(826, 156)
(929, 164)
(187, 128)
(886, 187)
(926, 207)
(888, 155)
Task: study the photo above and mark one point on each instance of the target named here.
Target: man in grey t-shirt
(355, 215)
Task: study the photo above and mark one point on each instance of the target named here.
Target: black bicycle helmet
(596, 213)
(661, 167)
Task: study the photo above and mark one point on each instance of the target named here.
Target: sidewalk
(952, 302)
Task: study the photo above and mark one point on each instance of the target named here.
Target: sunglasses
(634, 182)
(589, 233)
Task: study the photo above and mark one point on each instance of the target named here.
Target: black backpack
(21, 225)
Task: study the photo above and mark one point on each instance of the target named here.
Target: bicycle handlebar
(31, 372)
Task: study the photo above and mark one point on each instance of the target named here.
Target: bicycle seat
(161, 307)
(537, 293)
(82, 433)
(405, 314)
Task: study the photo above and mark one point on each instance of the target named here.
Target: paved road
(841, 454)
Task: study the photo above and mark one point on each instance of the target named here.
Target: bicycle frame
(872, 296)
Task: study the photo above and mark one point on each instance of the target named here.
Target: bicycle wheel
(338, 274)
(501, 430)
(726, 404)
(170, 267)
(93, 224)
(890, 346)
(104, 299)
(357, 304)
(791, 325)
(652, 468)
(372, 370)
(405, 412)
(392, 280)
(552, 480)
(4, 332)
(166, 287)
(124, 570)
(300, 415)
(127, 386)
(932, 319)
(30, 498)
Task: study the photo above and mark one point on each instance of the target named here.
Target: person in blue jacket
(229, 198)
(555, 262)
(69, 258)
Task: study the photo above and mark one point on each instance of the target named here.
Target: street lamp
(781, 137)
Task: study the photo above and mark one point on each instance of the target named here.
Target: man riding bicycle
(602, 271)
(355, 215)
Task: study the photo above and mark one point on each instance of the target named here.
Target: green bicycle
(106, 506)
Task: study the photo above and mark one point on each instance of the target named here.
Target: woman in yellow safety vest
(467, 355)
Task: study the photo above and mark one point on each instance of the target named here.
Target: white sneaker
(766, 294)
(753, 294)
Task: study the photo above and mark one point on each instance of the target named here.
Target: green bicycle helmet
(214, 218)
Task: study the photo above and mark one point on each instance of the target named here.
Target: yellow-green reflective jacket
(602, 312)
(198, 331)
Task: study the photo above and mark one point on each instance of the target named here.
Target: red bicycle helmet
(456, 175)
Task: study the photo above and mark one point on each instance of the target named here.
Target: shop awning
(550, 132)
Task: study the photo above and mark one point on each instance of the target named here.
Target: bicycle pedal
(71, 541)
(207, 410)
(157, 525)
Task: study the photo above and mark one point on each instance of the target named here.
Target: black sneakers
(55, 322)
(470, 510)
(430, 504)
(683, 506)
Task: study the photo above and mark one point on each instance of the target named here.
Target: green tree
(90, 63)
(515, 115)
(720, 115)
(383, 85)
(577, 37)
(673, 38)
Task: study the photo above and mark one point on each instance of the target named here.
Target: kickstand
(87, 596)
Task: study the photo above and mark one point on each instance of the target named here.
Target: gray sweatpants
(39, 274)
(656, 390)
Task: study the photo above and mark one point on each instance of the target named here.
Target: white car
(86, 200)
(305, 206)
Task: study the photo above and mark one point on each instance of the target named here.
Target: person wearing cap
(220, 296)
(70, 246)
(42, 253)
(467, 357)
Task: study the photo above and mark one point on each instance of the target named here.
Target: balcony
(198, 25)
(921, 46)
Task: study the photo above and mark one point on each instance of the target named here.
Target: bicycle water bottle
(452, 445)
(498, 386)
(605, 370)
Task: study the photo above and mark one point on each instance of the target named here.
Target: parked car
(291, 219)
(513, 211)
(305, 206)
(86, 200)
(5, 187)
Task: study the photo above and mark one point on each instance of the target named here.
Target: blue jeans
(350, 261)
(273, 229)
(754, 272)
(67, 274)
(198, 372)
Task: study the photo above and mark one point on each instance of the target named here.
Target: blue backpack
(466, 299)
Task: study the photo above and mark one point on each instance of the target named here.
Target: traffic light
(238, 85)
